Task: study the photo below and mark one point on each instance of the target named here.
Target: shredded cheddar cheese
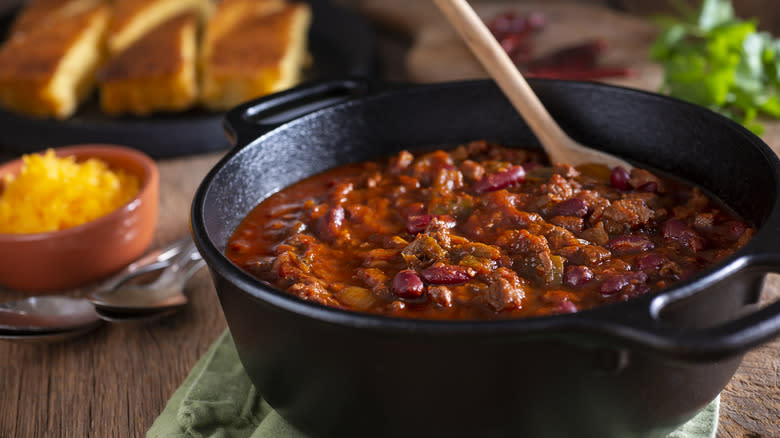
(52, 193)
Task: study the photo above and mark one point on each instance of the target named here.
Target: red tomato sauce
(481, 231)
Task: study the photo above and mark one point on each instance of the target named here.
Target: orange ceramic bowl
(79, 255)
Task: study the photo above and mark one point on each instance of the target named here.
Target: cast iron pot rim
(599, 324)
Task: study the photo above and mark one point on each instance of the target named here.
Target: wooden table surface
(116, 380)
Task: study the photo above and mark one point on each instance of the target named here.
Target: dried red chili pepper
(513, 33)
(575, 62)
(581, 56)
(509, 23)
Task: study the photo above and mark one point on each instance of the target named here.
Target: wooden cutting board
(437, 53)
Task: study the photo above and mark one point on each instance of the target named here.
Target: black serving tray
(340, 42)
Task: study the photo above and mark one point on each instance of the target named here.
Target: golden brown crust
(47, 70)
(134, 18)
(251, 50)
(152, 54)
(252, 43)
(231, 12)
(156, 73)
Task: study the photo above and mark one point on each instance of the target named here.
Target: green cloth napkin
(217, 400)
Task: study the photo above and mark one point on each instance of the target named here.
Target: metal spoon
(134, 317)
(164, 293)
(560, 148)
(152, 261)
(47, 314)
(49, 318)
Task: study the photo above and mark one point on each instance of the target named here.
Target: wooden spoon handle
(559, 146)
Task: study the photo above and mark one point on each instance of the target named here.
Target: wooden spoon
(560, 147)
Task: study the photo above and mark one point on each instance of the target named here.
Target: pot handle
(642, 325)
(252, 119)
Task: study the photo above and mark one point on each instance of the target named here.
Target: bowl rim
(90, 150)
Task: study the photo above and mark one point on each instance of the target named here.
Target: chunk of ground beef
(559, 188)
(505, 291)
(373, 278)
(572, 223)
(589, 255)
(558, 237)
(527, 243)
(565, 170)
(596, 234)
(471, 170)
(626, 214)
(439, 229)
(441, 295)
(422, 251)
(312, 289)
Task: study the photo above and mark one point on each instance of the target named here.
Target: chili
(481, 231)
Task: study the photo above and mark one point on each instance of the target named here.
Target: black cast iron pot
(639, 368)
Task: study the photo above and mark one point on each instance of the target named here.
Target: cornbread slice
(48, 70)
(252, 48)
(155, 73)
(134, 18)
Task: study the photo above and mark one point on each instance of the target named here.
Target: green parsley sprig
(715, 59)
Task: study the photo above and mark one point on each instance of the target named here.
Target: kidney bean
(649, 262)
(565, 306)
(418, 224)
(614, 284)
(619, 178)
(500, 180)
(571, 207)
(331, 223)
(637, 290)
(650, 187)
(407, 284)
(560, 301)
(629, 244)
(675, 229)
(447, 274)
(576, 276)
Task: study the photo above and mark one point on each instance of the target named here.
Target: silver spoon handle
(153, 260)
(159, 292)
(183, 267)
